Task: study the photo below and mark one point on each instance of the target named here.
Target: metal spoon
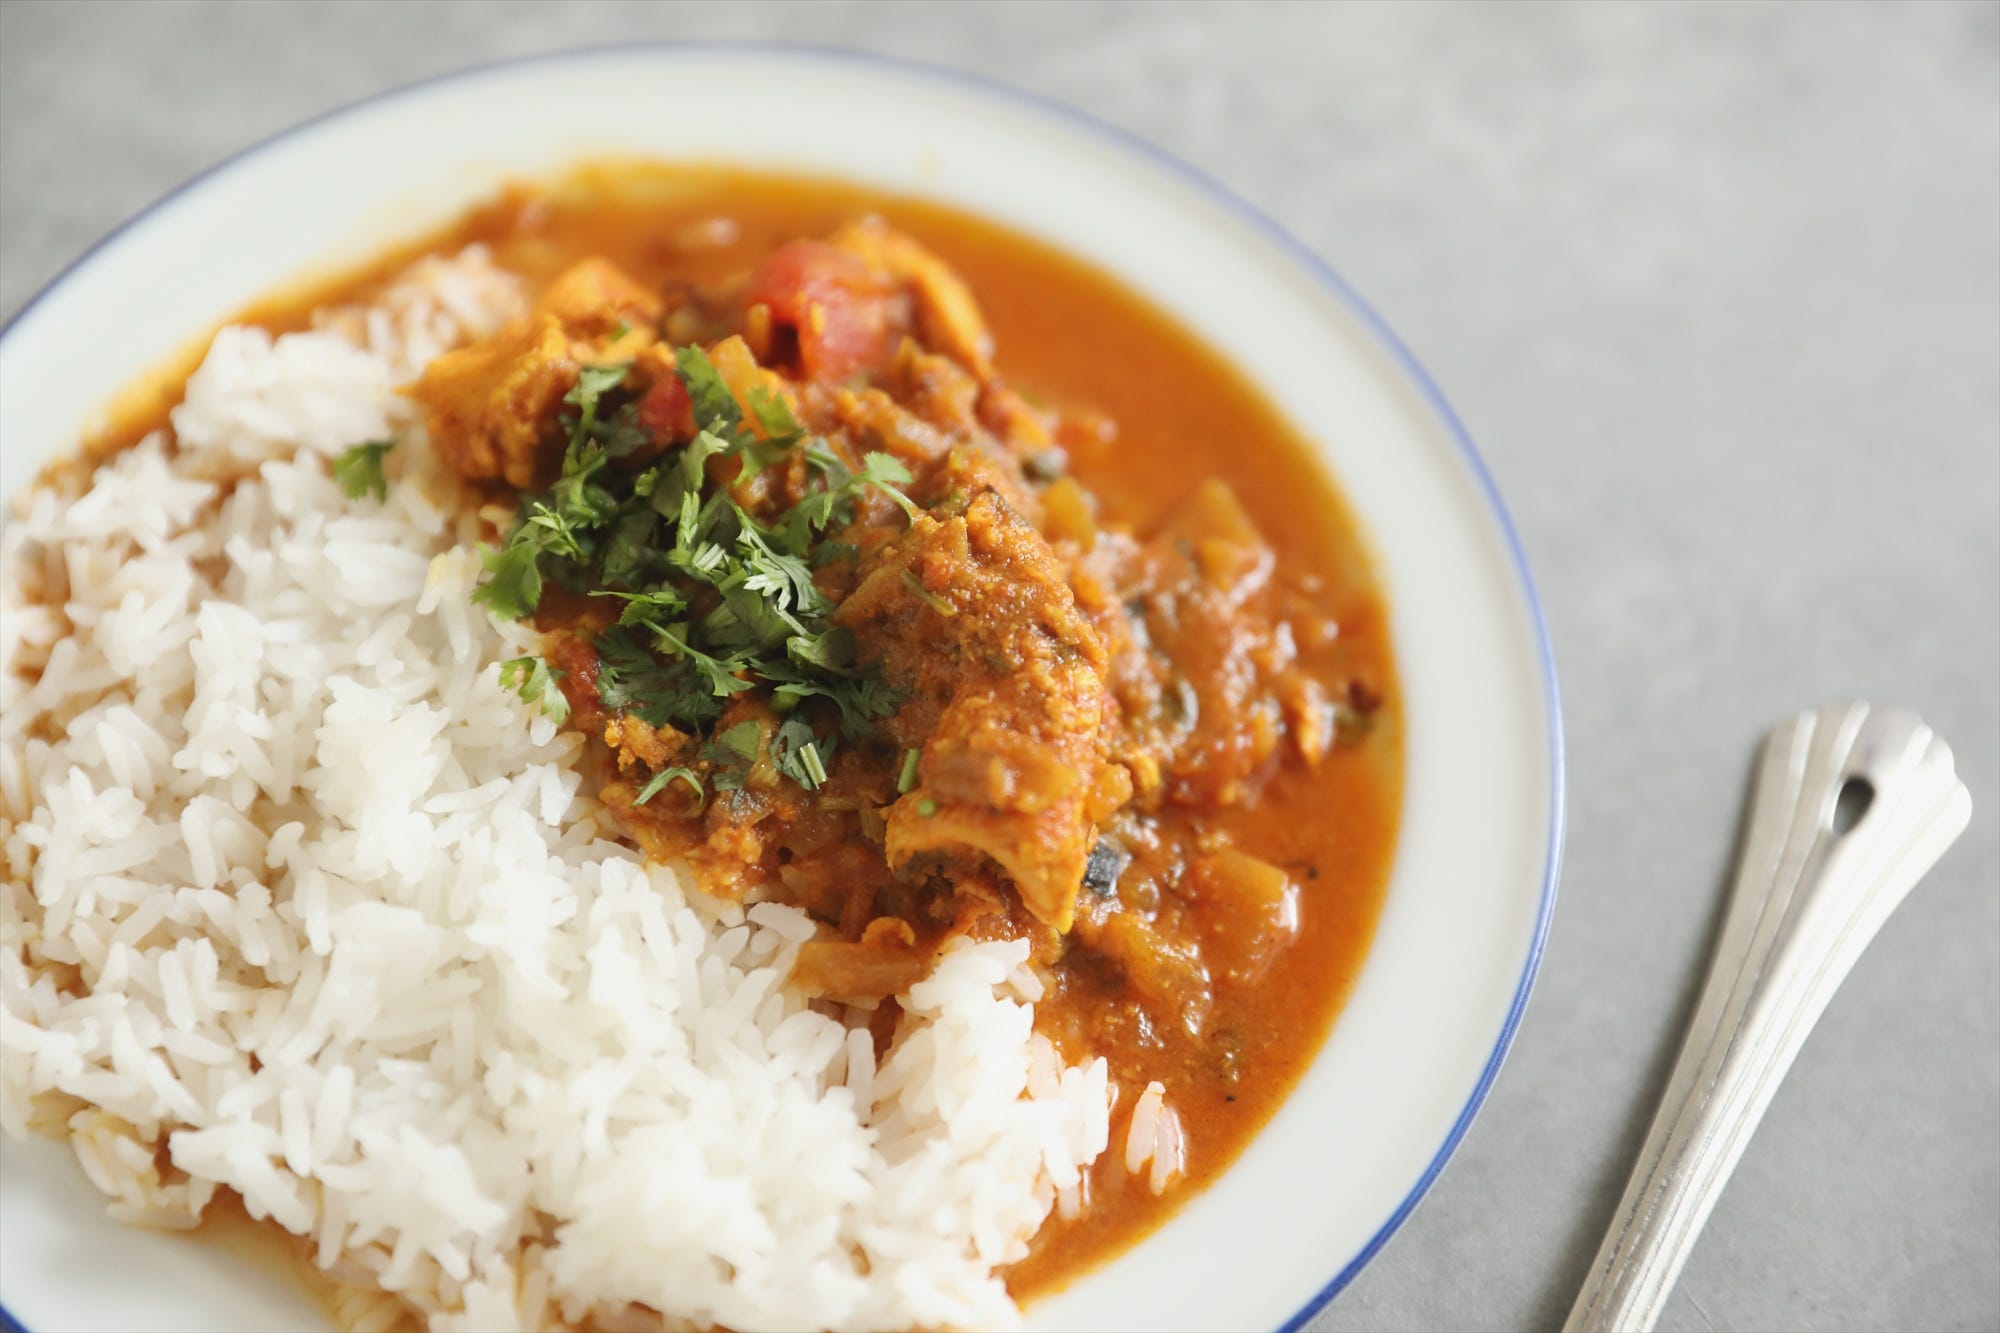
(1852, 805)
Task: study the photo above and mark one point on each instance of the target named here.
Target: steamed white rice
(300, 902)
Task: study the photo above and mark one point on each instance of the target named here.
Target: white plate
(1444, 985)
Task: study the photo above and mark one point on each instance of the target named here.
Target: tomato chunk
(666, 412)
(841, 310)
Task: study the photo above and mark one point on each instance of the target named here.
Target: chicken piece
(491, 407)
(596, 301)
(641, 746)
(1005, 683)
(885, 961)
(948, 319)
(875, 421)
(937, 389)
(486, 405)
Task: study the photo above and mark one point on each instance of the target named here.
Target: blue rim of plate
(1300, 254)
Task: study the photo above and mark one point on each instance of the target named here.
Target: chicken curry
(901, 569)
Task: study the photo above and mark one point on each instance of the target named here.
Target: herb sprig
(359, 470)
(534, 680)
(716, 601)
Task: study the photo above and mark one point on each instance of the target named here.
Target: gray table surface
(1717, 288)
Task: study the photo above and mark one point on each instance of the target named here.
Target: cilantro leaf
(631, 680)
(359, 470)
(721, 675)
(559, 531)
(784, 578)
(731, 754)
(862, 703)
(694, 458)
(620, 433)
(658, 782)
(592, 383)
(831, 650)
(774, 416)
(713, 402)
(515, 586)
(886, 474)
(628, 552)
(644, 607)
(743, 739)
(535, 682)
(798, 755)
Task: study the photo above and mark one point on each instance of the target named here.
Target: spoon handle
(1852, 805)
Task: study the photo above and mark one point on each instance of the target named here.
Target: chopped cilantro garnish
(516, 583)
(713, 402)
(743, 738)
(632, 680)
(774, 417)
(797, 751)
(641, 607)
(885, 474)
(815, 771)
(718, 600)
(532, 679)
(359, 470)
(926, 596)
(615, 435)
(658, 782)
(731, 753)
